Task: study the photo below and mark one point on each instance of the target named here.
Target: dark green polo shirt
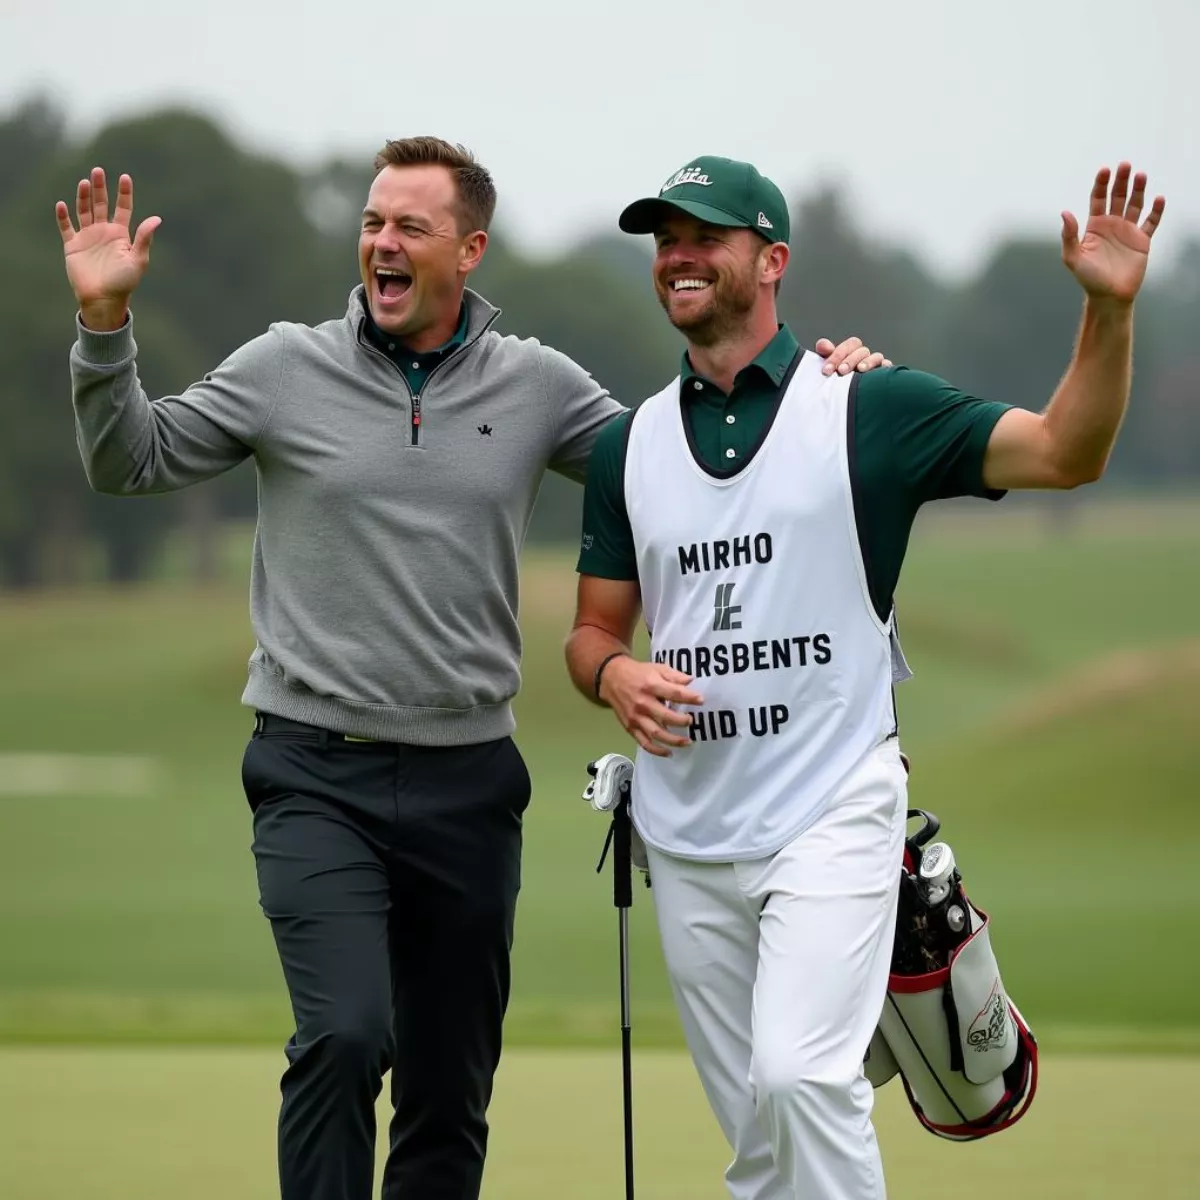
(416, 367)
(915, 438)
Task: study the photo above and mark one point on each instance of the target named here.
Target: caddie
(757, 512)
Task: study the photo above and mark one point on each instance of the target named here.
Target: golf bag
(965, 1056)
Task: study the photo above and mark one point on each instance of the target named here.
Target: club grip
(622, 855)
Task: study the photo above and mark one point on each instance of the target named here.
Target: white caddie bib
(753, 583)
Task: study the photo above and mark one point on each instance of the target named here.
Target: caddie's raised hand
(850, 355)
(104, 266)
(1110, 259)
(640, 693)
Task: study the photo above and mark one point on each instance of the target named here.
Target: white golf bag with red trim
(965, 1055)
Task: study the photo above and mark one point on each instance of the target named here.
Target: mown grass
(194, 1124)
(1051, 724)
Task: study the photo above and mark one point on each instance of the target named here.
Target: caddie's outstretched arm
(639, 693)
(1069, 442)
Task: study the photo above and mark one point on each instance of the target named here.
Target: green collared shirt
(415, 367)
(724, 427)
(915, 439)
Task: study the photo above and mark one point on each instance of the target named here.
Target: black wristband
(600, 669)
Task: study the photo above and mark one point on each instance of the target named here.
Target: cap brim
(645, 216)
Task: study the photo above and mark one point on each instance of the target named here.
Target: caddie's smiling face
(706, 277)
(412, 253)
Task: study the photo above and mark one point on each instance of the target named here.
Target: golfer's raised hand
(1110, 259)
(104, 265)
(640, 693)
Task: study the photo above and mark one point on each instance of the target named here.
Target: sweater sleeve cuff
(105, 349)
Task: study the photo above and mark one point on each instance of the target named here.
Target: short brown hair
(473, 181)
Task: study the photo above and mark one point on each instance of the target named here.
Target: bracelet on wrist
(600, 669)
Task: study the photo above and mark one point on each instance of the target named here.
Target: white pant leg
(825, 942)
(709, 934)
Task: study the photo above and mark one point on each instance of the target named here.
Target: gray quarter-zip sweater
(384, 583)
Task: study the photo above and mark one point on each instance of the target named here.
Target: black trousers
(390, 875)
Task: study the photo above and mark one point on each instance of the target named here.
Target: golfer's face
(410, 248)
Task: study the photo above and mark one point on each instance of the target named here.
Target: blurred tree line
(248, 239)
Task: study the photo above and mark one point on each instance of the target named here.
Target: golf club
(610, 792)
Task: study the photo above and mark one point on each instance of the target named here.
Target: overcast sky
(950, 122)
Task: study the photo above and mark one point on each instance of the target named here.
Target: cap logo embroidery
(763, 222)
(687, 175)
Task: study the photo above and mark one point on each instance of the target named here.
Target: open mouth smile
(689, 283)
(392, 283)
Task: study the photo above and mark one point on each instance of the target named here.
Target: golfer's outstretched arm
(129, 444)
(1069, 442)
(132, 445)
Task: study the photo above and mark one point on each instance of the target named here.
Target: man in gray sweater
(399, 452)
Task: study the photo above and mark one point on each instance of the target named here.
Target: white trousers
(779, 968)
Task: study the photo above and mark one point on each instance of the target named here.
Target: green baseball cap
(721, 191)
